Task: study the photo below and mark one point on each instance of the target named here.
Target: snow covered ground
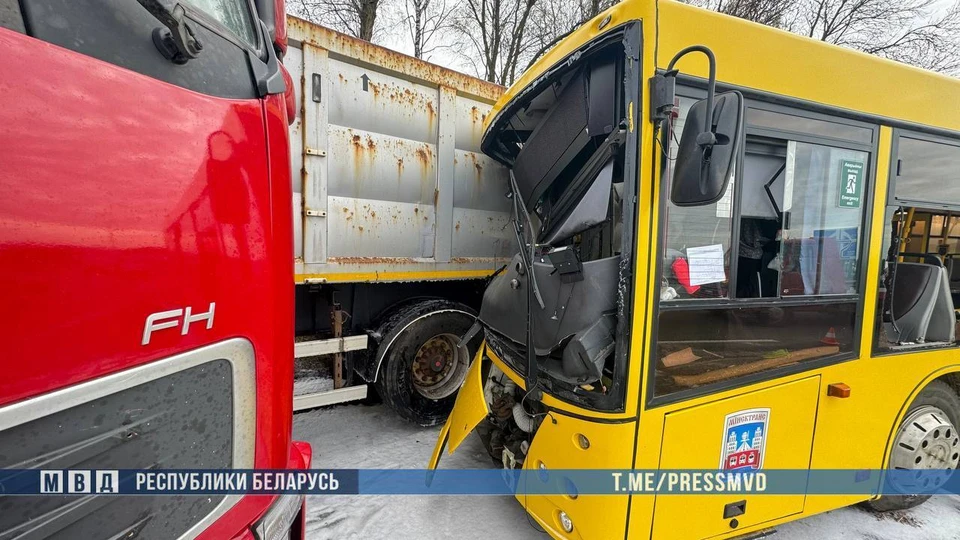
(358, 436)
(311, 374)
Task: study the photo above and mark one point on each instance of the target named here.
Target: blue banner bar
(477, 482)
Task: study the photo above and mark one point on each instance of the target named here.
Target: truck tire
(931, 423)
(420, 366)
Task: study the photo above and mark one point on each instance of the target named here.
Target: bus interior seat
(812, 266)
(669, 278)
(922, 310)
(953, 272)
(943, 320)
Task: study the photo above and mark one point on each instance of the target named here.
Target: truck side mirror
(273, 14)
(705, 158)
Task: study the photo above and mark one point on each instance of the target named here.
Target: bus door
(757, 290)
(765, 429)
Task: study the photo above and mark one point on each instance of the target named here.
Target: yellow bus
(723, 225)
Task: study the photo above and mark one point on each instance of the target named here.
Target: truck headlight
(275, 524)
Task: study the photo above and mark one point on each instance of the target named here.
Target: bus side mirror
(705, 159)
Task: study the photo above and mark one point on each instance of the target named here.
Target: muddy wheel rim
(439, 366)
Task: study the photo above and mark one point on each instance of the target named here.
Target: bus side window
(800, 220)
(696, 232)
(920, 282)
(758, 257)
(785, 291)
(822, 236)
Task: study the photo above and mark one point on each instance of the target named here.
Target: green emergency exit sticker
(851, 184)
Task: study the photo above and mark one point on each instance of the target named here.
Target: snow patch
(358, 436)
(312, 375)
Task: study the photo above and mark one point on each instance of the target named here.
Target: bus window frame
(891, 198)
(695, 88)
(930, 208)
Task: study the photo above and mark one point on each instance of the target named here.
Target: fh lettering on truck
(163, 320)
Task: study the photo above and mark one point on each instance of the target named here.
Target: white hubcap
(927, 440)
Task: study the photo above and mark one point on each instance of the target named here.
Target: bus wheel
(927, 440)
(422, 368)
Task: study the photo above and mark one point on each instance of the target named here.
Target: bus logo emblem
(744, 439)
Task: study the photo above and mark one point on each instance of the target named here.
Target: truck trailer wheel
(420, 366)
(927, 440)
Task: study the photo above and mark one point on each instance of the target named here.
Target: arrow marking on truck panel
(365, 80)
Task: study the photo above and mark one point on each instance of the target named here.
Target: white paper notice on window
(706, 264)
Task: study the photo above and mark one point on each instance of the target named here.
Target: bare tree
(355, 17)
(494, 36)
(769, 12)
(556, 19)
(425, 21)
(910, 31)
(501, 38)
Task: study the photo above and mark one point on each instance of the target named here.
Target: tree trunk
(368, 17)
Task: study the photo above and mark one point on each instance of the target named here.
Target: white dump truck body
(392, 185)
(392, 200)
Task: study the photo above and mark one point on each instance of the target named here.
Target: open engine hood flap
(468, 411)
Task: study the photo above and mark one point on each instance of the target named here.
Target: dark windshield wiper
(533, 292)
(176, 41)
(520, 229)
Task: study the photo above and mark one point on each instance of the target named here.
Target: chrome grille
(183, 412)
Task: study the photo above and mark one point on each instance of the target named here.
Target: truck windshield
(565, 143)
(233, 14)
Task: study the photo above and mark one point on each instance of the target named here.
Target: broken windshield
(565, 141)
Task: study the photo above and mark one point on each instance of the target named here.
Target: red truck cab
(145, 248)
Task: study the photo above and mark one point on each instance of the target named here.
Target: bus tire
(422, 368)
(942, 401)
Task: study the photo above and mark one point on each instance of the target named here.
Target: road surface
(358, 436)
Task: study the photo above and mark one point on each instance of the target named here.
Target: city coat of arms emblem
(744, 439)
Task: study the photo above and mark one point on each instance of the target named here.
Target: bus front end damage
(555, 320)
